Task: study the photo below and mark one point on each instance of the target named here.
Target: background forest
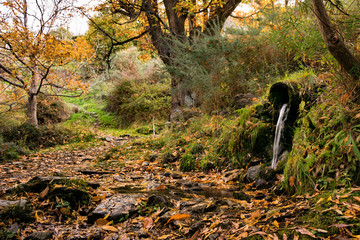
(191, 80)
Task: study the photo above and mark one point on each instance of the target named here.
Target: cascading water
(279, 132)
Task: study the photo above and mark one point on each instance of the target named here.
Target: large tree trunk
(334, 41)
(181, 98)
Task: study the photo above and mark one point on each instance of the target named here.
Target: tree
(168, 21)
(33, 60)
(334, 41)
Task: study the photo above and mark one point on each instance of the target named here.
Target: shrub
(50, 110)
(139, 102)
(187, 163)
(325, 148)
(32, 137)
(247, 138)
(11, 151)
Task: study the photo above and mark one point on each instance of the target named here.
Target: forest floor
(158, 202)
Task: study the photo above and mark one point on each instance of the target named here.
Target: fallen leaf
(178, 217)
(110, 228)
(284, 236)
(276, 224)
(320, 200)
(256, 214)
(341, 225)
(148, 222)
(304, 231)
(356, 198)
(44, 192)
(101, 222)
(161, 188)
(291, 181)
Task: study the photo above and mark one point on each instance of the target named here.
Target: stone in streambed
(117, 207)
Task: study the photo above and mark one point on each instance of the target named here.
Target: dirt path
(168, 204)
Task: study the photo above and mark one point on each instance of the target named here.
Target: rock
(176, 176)
(14, 228)
(40, 236)
(267, 173)
(145, 164)
(232, 175)
(197, 226)
(253, 173)
(7, 203)
(117, 206)
(72, 195)
(161, 201)
(153, 157)
(206, 206)
(38, 184)
(261, 184)
(244, 99)
(242, 196)
(214, 236)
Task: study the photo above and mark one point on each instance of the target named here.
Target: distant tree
(165, 22)
(32, 60)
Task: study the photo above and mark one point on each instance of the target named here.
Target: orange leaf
(44, 192)
(356, 198)
(161, 188)
(110, 228)
(276, 224)
(256, 214)
(291, 181)
(101, 222)
(148, 222)
(178, 217)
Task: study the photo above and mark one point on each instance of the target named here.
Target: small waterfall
(277, 148)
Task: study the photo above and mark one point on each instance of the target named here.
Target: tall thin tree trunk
(334, 41)
(32, 109)
(32, 99)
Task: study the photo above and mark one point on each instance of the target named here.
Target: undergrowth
(326, 147)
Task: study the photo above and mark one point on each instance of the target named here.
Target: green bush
(139, 102)
(187, 163)
(219, 67)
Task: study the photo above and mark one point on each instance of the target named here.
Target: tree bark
(32, 99)
(32, 109)
(334, 41)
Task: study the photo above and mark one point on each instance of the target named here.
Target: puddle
(176, 192)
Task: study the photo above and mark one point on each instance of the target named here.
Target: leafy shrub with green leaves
(325, 148)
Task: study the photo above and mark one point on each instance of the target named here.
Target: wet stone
(40, 236)
(161, 201)
(7, 203)
(117, 206)
(261, 184)
(14, 228)
(253, 173)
